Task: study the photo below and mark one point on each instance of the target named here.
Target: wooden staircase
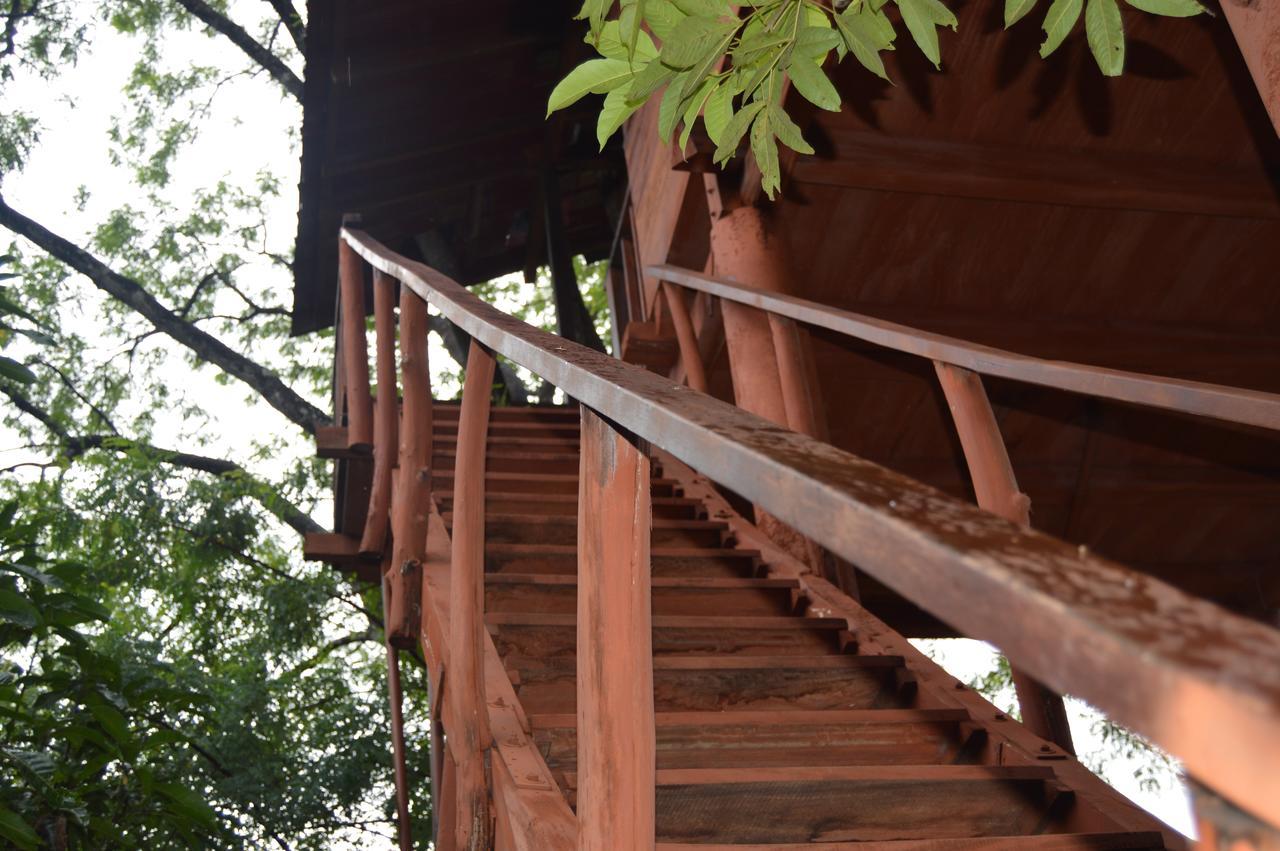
(787, 716)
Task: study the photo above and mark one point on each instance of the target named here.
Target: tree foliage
(731, 67)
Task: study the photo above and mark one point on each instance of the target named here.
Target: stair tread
(796, 717)
(1109, 841)
(783, 623)
(848, 773)
(690, 582)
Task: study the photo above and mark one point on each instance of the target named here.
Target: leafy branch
(733, 67)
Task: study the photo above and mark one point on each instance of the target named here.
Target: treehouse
(999, 361)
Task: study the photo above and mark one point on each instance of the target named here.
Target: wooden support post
(374, 539)
(412, 506)
(616, 746)
(470, 741)
(355, 351)
(690, 356)
(996, 489)
(404, 830)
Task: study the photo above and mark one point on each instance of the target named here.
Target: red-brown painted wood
(385, 416)
(355, 351)
(690, 356)
(615, 653)
(469, 741)
(413, 486)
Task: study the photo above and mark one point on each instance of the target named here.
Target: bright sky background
(252, 126)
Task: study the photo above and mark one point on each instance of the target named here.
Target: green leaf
(765, 150)
(704, 8)
(735, 130)
(113, 721)
(1105, 30)
(669, 109)
(662, 16)
(692, 40)
(611, 45)
(593, 11)
(1169, 8)
(17, 609)
(1058, 23)
(11, 369)
(1016, 10)
(812, 82)
(615, 112)
(696, 104)
(923, 17)
(648, 80)
(34, 574)
(187, 803)
(718, 112)
(629, 27)
(864, 38)
(787, 131)
(813, 41)
(15, 829)
(595, 76)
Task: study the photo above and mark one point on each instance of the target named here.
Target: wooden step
(566, 443)
(543, 636)
(443, 412)
(858, 803)
(531, 483)
(514, 429)
(773, 739)
(566, 505)
(500, 460)
(1117, 841)
(666, 561)
(728, 683)
(672, 595)
(544, 529)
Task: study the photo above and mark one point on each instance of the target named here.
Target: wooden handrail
(386, 414)
(1200, 681)
(1228, 404)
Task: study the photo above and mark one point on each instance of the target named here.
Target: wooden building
(1001, 361)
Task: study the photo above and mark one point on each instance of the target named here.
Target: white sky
(246, 131)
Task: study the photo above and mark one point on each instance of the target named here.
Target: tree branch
(292, 22)
(134, 296)
(457, 342)
(76, 446)
(241, 39)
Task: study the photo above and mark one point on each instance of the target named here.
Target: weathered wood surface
(615, 684)
(385, 417)
(996, 489)
(690, 356)
(470, 738)
(355, 350)
(413, 485)
(1197, 680)
(1230, 404)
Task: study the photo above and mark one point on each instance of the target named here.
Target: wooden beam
(385, 415)
(1098, 178)
(997, 491)
(1256, 26)
(470, 738)
(690, 356)
(355, 352)
(616, 744)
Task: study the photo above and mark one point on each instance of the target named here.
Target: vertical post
(396, 697)
(471, 741)
(996, 490)
(385, 414)
(616, 748)
(355, 351)
(403, 583)
(690, 356)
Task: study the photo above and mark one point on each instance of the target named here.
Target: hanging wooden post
(385, 414)
(396, 697)
(690, 356)
(470, 741)
(411, 508)
(616, 748)
(355, 351)
(996, 489)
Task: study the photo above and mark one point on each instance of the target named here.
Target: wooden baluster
(355, 351)
(396, 699)
(412, 507)
(471, 739)
(996, 489)
(385, 414)
(616, 749)
(690, 356)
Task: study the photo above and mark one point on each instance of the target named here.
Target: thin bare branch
(241, 39)
(292, 22)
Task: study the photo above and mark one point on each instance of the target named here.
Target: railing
(1201, 682)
